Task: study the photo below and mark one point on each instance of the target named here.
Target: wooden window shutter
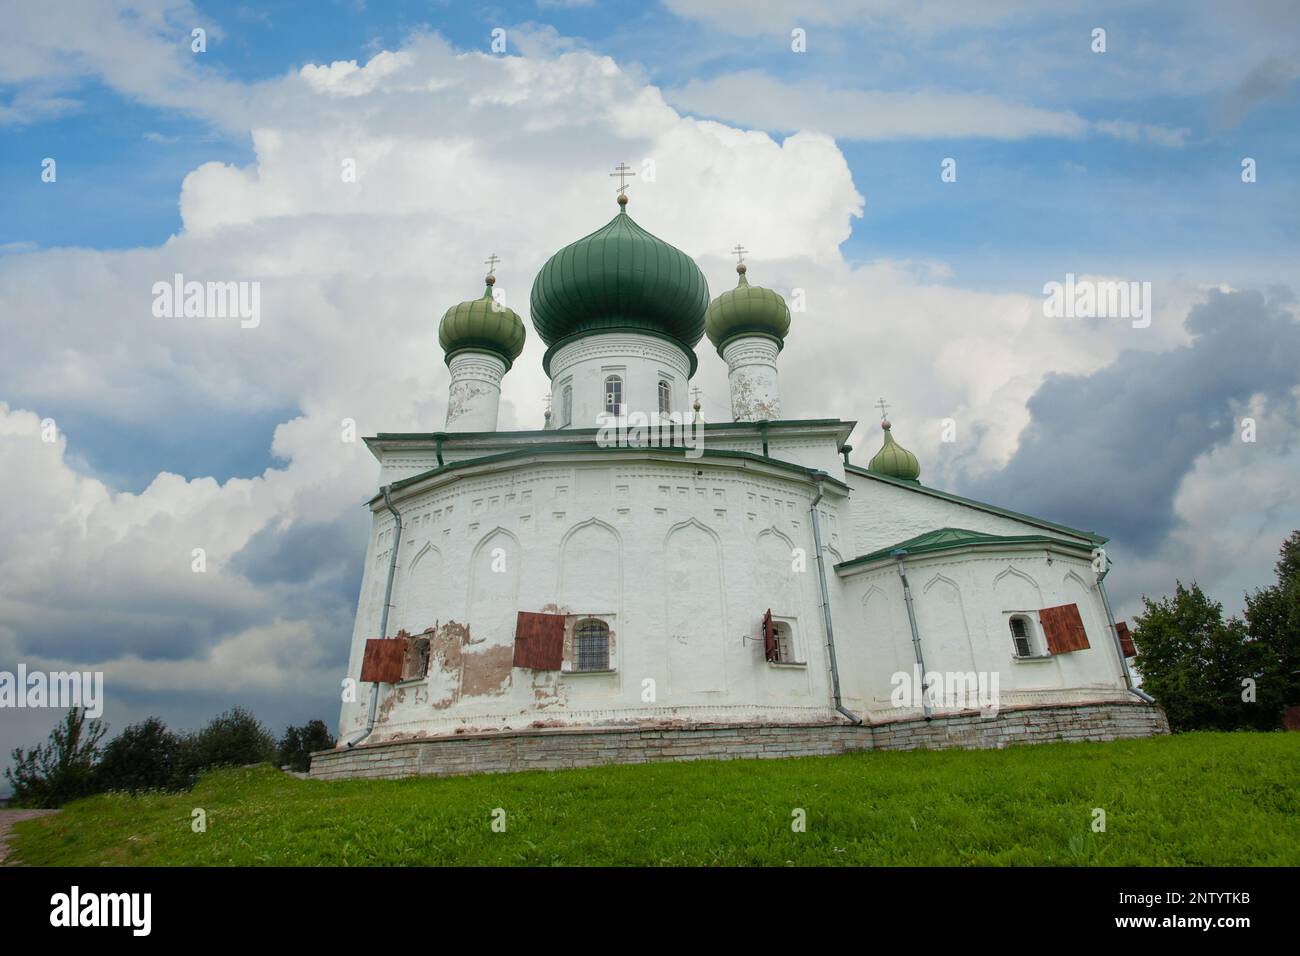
(1063, 628)
(539, 641)
(770, 650)
(1125, 639)
(382, 663)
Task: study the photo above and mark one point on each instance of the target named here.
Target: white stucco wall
(641, 361)
(963, 601)
(883, 514)
(751, 378)
(474, 394)
(680, 557)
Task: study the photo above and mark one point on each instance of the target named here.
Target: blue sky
(1039, 196)
(1125, 163)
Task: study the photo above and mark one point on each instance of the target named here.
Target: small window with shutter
(1021, 631)
(1063, 629)
(415, 658)
(591, 645)
(1125, 639)
(383, 661)
(770, 651)
(784, 642)
(539, 641)
(778, 640)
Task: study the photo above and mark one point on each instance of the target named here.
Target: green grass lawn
(1194, 799)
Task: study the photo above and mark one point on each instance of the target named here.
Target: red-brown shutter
(1063, 628)
(539, 641)
(1125, 639)
(770, 650)
(382, 663)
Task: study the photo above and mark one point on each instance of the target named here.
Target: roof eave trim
(669, 454)
(1020, 543)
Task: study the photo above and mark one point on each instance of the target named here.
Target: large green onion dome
(893, 460)
(482, 325)
(620, 277)
(746, 310)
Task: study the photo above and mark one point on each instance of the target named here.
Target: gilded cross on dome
(739, 253)
(882, 405)
(491, 262)
(622, 171)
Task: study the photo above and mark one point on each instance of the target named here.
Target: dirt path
(7, 819)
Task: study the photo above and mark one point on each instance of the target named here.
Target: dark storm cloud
(328, 554)
(90, 633)
(1107, 451)
(305, 571)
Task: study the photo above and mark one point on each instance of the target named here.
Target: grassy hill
(1194, 799)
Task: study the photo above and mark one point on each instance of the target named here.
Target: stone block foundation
(562, 748)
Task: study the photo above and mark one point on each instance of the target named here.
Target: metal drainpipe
(1114, 632)
(826, 606)
(383, 617)
(916, 635)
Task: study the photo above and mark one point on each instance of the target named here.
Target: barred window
(566, 406)
(1020, 636)
(613, 394)
(591, 645)
(665, 397)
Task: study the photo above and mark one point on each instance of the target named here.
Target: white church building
(604, 590)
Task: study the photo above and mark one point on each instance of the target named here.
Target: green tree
(235, 738)
(141, 757)
(1194, 662)
(63, 768)
(298, 743)
(1273, 616)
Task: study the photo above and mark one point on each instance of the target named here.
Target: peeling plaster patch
(462, 399)
(446, 663)
(487, 672)
(455, 673)
(548, 691)
(745, 405)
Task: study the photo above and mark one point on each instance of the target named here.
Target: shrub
(235, 738)
(141, 757)
(62, 769)
(298, 743)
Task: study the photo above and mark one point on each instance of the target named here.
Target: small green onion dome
(620, 277)
(746, 310)
(893, 460)
(482, 325)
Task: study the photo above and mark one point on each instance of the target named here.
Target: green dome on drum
(746, 310)
(483, 325)
(893, 460)
(620, 277)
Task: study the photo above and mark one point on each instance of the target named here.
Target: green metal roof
(620, 277)
(916, 486)
(947, 539)
(746, 310)
(893, 460)
(483, 324)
